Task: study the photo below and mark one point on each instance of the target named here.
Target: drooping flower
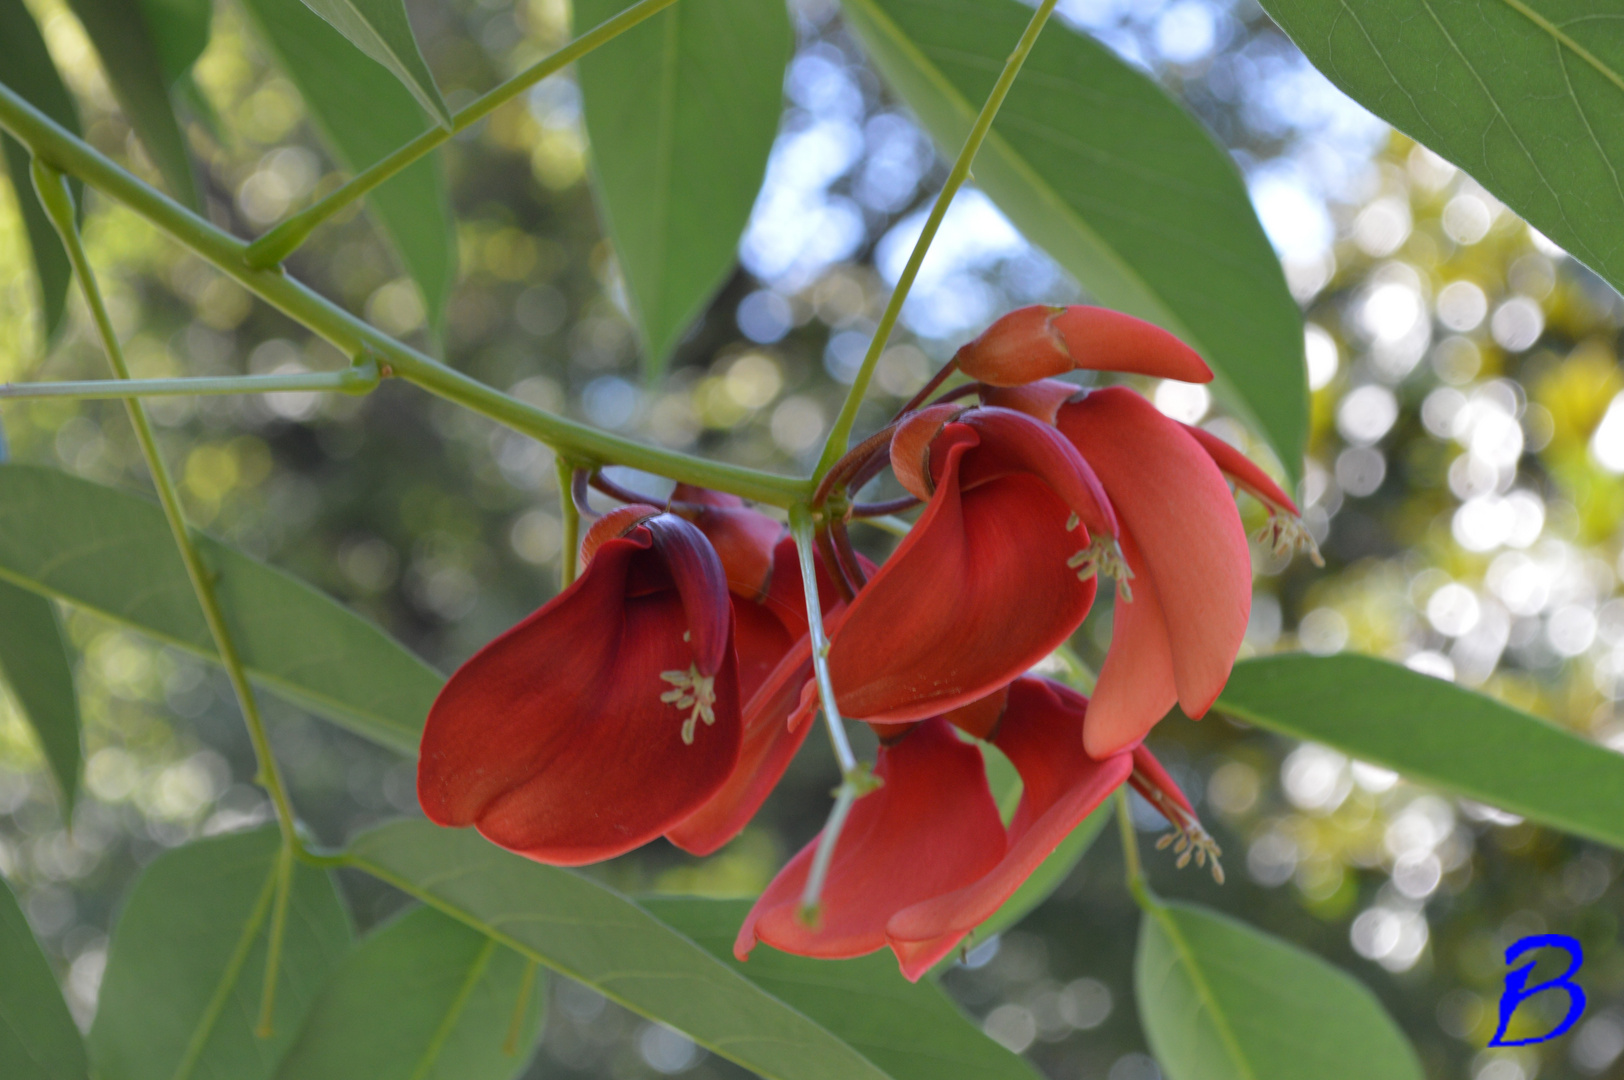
(604, 718)
(1176, 638)
(925, 859)
(1040, 341)
(995, 574)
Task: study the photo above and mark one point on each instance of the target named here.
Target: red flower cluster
(666, 690)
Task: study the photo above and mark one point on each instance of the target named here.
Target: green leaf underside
(111, 551)
(381, 29)
(1094, 163)
(911, 1030)
(598, 937)
(1222, 1001)
(34, 664)
(180, 32)
(423, 998)
(135, 68)
(681, 112)
(181, 996)
(38, 1040)
(1525, 95)
(332, 76)
(26, 67)
(1437, 733)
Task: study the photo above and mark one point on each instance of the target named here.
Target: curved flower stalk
(606, 717)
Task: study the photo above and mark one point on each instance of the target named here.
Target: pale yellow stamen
(1285, 533)
(691, 690)
(1104, 555)
(1188, 838)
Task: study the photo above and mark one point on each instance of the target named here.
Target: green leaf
(911, 1030)
(380, 29)
(1438, 733)
(1096, 164)
(134, 64)
(363, 114)
(423, 998)
(681, 112)
(181, 995)
(111, 551)
(34, 663)
(594, 935)
(180, 31)
(1222, 1001)
(1526, 95)
(26, 67)
(38, 1039)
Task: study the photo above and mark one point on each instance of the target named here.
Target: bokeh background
(1464, 485)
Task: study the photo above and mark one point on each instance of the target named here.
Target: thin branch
(286, 237)
(351, 335)
(273, 947)
(882, 509)
(835, 445)
(1130, 852)
(359, 379)
(57, 200)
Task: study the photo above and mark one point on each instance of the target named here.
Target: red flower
(1176, 639)
(925, 859)
(606, 717)
(995, 574)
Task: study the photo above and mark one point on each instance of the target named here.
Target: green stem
(57, 200)
(1130, 853)
(353, 336)
(569, 557)
(355, 380)
(835, 446)
(286, 237)
(273, 947)
(855, 778)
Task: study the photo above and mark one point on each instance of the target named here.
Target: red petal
(1040, 400)
(1149, 772)
(1104, 340)
(1062, 786)
(977, 593)
(911, 446)
(1014, 442)
(1173, 500)
(697, 574)
(553, 738)
(769, 744)
(1242, 469)
(744, 539)
(931, 829)
(1136, 685)
(613, 525)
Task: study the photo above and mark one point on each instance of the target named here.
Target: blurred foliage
(1468, 435)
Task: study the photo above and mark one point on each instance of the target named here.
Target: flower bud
(1040, 342)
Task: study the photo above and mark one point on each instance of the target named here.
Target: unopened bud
(1040, 342)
